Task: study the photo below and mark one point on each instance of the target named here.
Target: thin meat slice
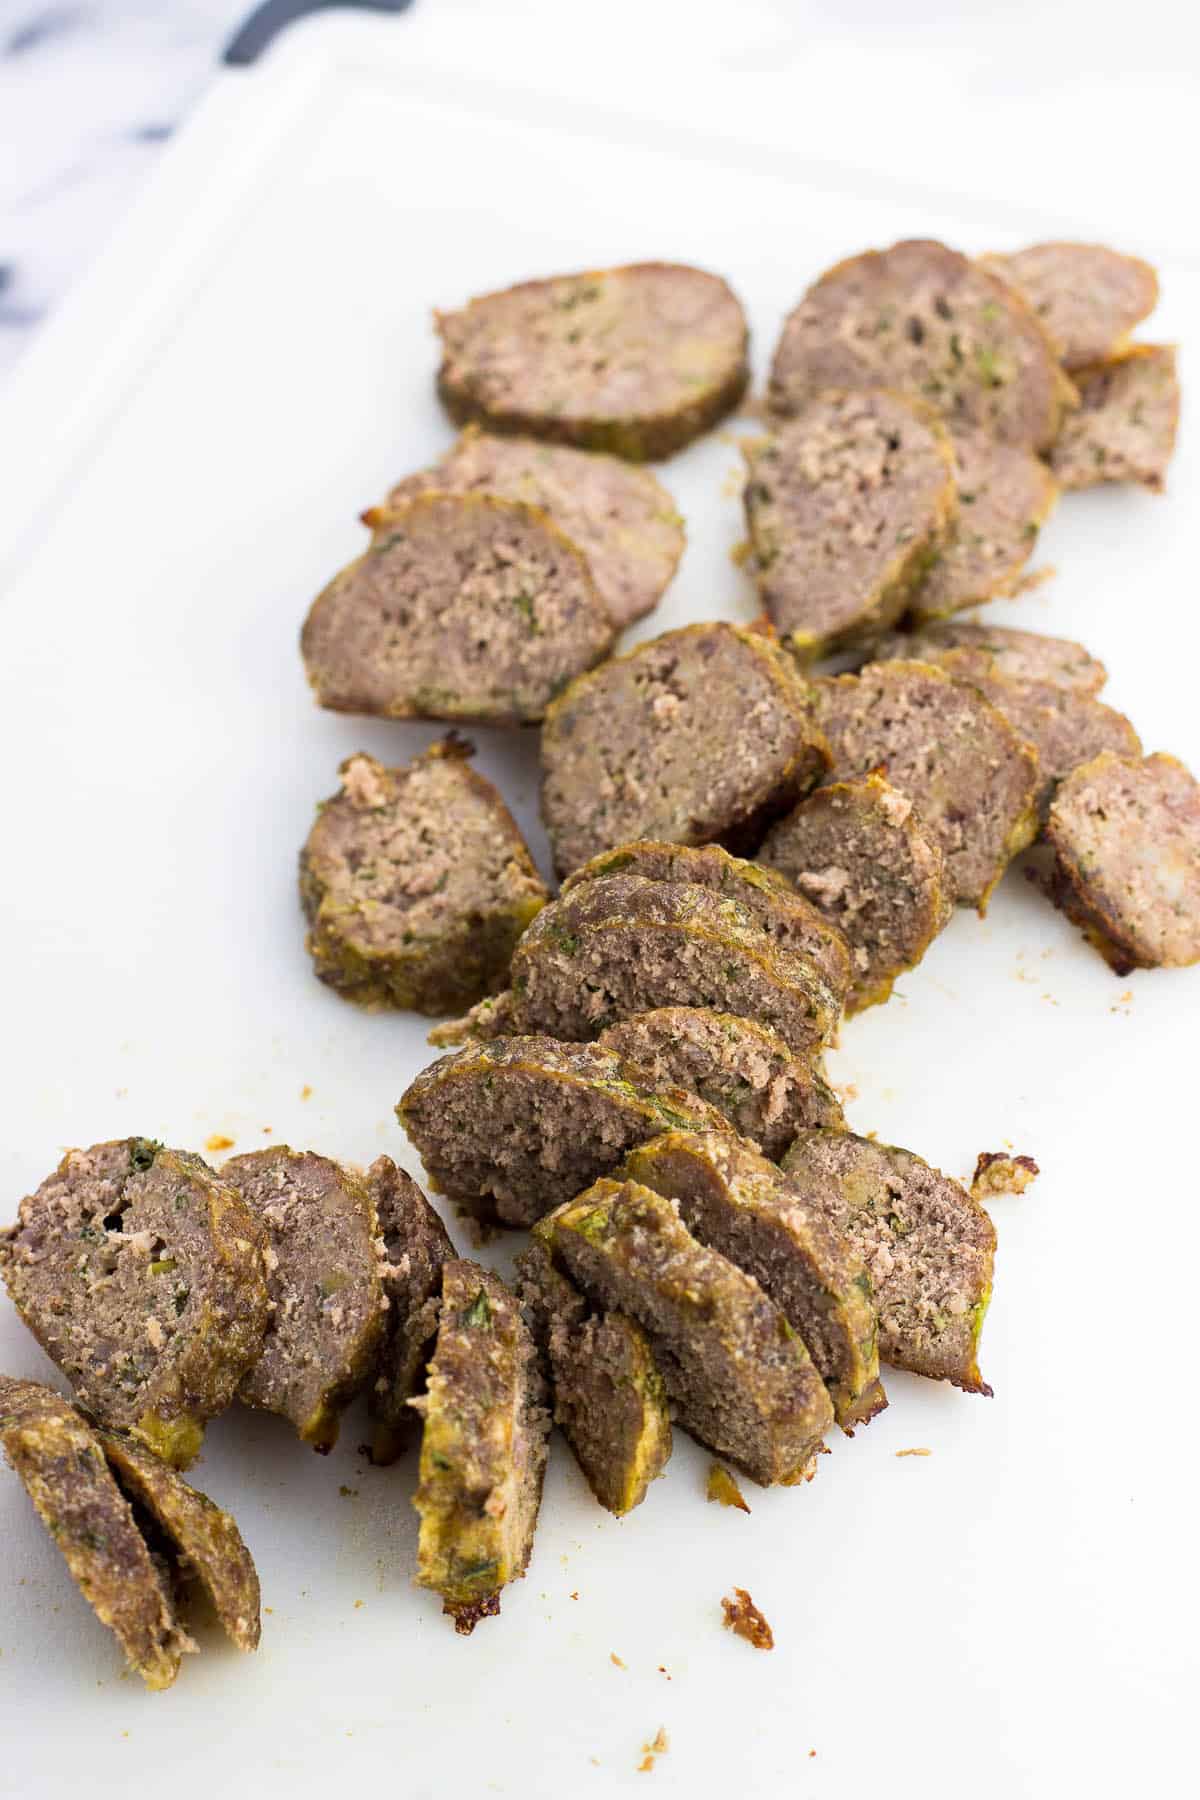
(1088, 296)
(973, 647)
(1125, 427)
(1005, 494)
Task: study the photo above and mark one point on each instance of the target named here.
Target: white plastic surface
(186, 455)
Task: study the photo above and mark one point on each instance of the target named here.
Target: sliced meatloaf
(1125, 427)
(415, 1246)
(1088, 296)
(970, 647)
(1005, 494)
(1065, 728)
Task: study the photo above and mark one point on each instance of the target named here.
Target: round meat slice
(141, 1275)
(466, 607)
(783, 914)
(609, 1397)
(416, 1245)
(860, 850)
(736, 1202)
(739, 1377)
(65, 1475)
(416, 883)
(612, 948)
(920, 319)
(324, 1257)
(1005, 495)
(483, 1447)
(1126, 837)
(700, 734)
(1125, 427)
(744, 1069)
(969, 648)
(1065, 729)
(958, 760)
(622, 518)
(1087, 296)
(637, 361)
(203, 1541)
(511, 1128)
(928, 1248)
(847, 506)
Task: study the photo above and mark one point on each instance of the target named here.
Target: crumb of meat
(917, 1450)
(615, 1660)
(722, 1488)
(996, 1173)
(306, 1092)
(218, 1141)
(467, 1616)
(743, 1618)
(657, 1747)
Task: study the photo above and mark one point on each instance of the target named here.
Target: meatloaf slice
(739, 1377)
(736, 1202)
(1087, 296)
(920, 319)
(958, 760)
(698, 735)
(511, 1128)
(860, 850)
(928, 1248)
(622, 518)
(1005, 495)
(1126, 837)
(483, 1447)
(1125, 428)
(465, 607)
(62, 1466)
(637, 360)
(968, 647)
(847, 506)
(1065, 728)
(140, 1272)
(416, 883)
(744, 1069)
(324, 1257)
(608, 1395)
(415, 1245)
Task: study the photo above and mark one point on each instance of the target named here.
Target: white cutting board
(185, 456)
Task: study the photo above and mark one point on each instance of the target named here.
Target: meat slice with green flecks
(1088, 296)
(1065, 728)
(1005, 495)
(1125, 427)
(968, 647)
(927, 1246)
(416, 1245)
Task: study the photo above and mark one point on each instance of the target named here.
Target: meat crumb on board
(218, 1141)
(722, 1488)
(658, 1746)
(744, 1619)
(996, 1173)
(615, 1660)
(917, 1450)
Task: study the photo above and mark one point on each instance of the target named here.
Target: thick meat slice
(416, 883)
(323, 1260)
(1125, 429)
(203, 1542)
(782, 913)
(466, 607)
(860, 850)
(609, 1397)
(966, 648)
(744, 1069)
(1065, 728)
(637, 360)
(612, 948)
(1005, 495)
(957, 759)
(700, 734)
(921, 319)
(739, 1377)
(736, 1202)
(65, 1475)
(483, 1447)
(141, 1275)
(1087, 296)
(622, 518)
(1126, 837)
(847, 505)
(928, 1248)
(415, 1246)
(511, 1128)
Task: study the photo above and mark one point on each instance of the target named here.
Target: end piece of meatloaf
(636, 360)
(967, 647)
(1126, 838)
(1005, 495)
(698, 735)
(739, 1377)
(415, 1245)
(738, 1203)
(860, 850)
(1088, 296)
(140, 1272)
(1125, 428)
(416, 883)
(483, 1447)
(920, 319)
(847, 505)
(511, 1128)
(467, 607)
(928, 1249)
(622, 518)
